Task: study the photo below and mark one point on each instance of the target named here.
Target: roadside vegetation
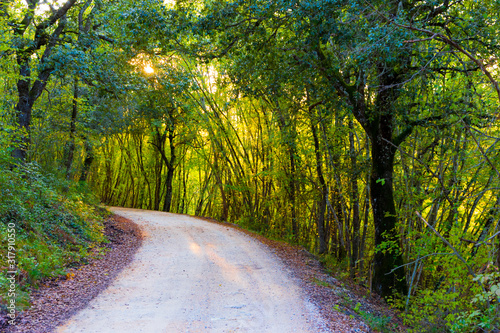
(365, 131)
(50, 224)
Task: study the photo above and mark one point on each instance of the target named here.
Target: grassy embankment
(46, 224)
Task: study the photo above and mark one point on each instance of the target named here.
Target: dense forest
(365, 131)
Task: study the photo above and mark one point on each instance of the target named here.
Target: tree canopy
(366, 131)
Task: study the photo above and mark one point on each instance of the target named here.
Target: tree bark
(355, 241)
(320, 219)
(170, 172)
(28, 91)
(385, 220)
(89, 158)
(70, 147)
(380, 128)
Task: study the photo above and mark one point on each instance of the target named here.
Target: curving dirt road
(195, 276)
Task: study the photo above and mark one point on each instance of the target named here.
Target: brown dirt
(58, 299)
(194, 276)
(335, 299)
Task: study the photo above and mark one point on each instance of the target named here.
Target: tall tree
(33, 34)
(374, 56)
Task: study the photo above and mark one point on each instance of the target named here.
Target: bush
(486, 313)
(55, 222)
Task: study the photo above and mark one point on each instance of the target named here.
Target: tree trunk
(293, 198)
(70, 147)
(28, 93)
(170, 162)
(89, 158)
(288, 139)
(385, 280)
(379, 124)
(23, 108)
(355, 203)
(320, 220)
(158, 186)
(168, 193)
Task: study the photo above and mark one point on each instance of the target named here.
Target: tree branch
(56, 15)
(455, 251)
(456, 46)
(81, 27)
(41, 82)
(445, 40)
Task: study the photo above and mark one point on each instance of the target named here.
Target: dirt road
(195, 276)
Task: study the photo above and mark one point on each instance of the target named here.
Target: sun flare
(148, 69)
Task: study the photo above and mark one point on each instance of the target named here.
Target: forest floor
(287, 286)
(56, 300)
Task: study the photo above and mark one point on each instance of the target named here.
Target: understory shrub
(56, 222)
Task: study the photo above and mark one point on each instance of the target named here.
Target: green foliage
(55, 224)
(377, 323)
(239, 88)
(6, 137)
(479, 320)
(429, 308)
(322, 283)
(334, 266)
(485, 315)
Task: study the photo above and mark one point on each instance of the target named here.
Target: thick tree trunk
(385, 280)
(379, 124)
(28, 91)
(23, 108)
(378, 121)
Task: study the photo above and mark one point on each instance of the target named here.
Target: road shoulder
(57, 300)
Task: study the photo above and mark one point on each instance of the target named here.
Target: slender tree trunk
(220, 184)
(70, 147)
(355, 203)
(184, 192)
(366, 210)
(158, 167)
(288, 137)
(140, 161)
(158, 187)
(293, 198)
(492, 217)
(89, 158)
(201, 199)
(320, 220)
(170, 172)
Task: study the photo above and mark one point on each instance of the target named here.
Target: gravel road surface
(191, 275)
